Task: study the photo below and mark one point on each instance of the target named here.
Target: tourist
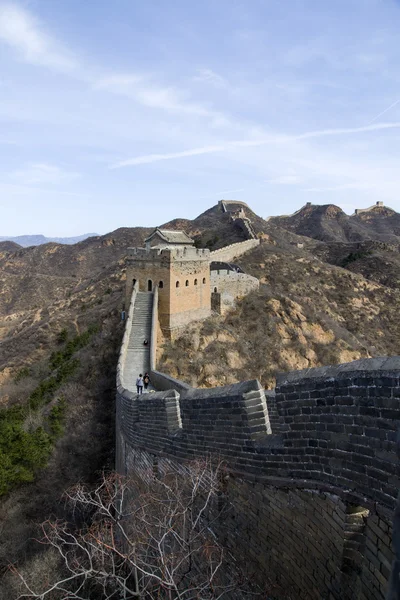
(139, 384)
(146, 381)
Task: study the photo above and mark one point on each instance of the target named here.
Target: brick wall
(230, 286)
(229, 253)
(312, 504)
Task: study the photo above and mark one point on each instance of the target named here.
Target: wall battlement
(338, 430)
(228, 253)
(360, 211)
(185, 253)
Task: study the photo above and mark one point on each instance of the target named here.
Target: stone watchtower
(170, 261)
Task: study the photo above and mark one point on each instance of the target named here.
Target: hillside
(327, 223)
(380, 221)
(307, 313)
(310, 310)
(8, 246)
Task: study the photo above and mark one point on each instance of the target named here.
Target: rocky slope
(307, 313)
(8, 246)
(329, 223)
(324, 298)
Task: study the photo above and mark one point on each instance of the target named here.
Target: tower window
(149, 285)
(215, 290)
(195, 282)
(187, 282)
(161, 284)
(204, 279)
(177, 284)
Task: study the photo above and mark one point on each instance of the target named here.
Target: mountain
(380, 221)
(327, 223)
(8, 246)
(36, 240)
(329, 293)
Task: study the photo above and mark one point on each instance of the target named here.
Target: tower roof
(171, 237)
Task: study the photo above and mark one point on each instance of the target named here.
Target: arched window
(149, 285)
(187, 282)
(195, 282)
(215, 290)
(177, 284)
(204, 279)
(161, 284)
(133, 283)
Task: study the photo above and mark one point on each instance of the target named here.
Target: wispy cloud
(359, 185)
(151, 158)
(271, 139)
(222, 194)
(20, 30)
(285, 180)
(347, 130)
(42, 174)
(384, 111)
(209, 76)
(148, 93)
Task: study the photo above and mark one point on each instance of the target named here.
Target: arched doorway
(149, 285)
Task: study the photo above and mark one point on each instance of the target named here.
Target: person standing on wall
(139, 384)
(146, 381)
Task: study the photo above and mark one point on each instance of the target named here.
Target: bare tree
(149, 537)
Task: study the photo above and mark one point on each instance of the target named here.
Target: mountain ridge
(36, 240)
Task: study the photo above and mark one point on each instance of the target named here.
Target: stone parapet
(229, 253)
(185, 253)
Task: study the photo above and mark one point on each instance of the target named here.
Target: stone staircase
(246, 226)
(273, 412)
(138, 356)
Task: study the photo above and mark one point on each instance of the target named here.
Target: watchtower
(181, 272)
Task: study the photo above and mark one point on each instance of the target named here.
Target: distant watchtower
(181, 272)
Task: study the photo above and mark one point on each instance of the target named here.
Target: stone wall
(231, 285)
(310, 506)
(229, 253)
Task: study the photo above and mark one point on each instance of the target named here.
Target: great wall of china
(312, 471)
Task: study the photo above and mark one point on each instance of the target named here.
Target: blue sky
(134, 112)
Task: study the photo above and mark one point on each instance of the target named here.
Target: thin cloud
(347, 130)
(273, 139)
(42, 173)
(152, 95)
(221, 194)
(209, 76)
(384, 111)
(285, 180)
(23, 33)
(336, 188)
(151, 158)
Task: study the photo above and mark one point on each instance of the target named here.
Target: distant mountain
(383, 222)
(328, 223)
(37, 240)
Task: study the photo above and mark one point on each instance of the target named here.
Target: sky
(134, 112)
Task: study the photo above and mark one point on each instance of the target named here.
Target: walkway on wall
(138, 356)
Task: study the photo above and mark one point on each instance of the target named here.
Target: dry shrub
(12, 392)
